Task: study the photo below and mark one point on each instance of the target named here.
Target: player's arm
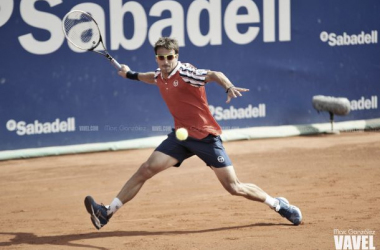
(231, 90)
(126, 72)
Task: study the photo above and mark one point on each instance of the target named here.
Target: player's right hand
(123, 71)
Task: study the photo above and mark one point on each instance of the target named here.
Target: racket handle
(115, 64)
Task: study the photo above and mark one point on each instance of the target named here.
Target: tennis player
(182, 86)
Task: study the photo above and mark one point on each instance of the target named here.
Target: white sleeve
(156, 74)
(192, 75)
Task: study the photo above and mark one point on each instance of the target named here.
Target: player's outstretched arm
(231, 90)
(126, 72)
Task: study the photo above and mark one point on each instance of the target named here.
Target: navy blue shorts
(210, 149)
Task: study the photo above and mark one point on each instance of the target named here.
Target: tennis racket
(81, 30)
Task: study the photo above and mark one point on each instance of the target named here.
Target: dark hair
(167, 43)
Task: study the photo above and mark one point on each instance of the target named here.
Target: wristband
(229, 89)
(132, 75)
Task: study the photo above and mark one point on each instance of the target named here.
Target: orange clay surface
(334, 179)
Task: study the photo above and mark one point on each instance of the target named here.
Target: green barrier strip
(228, 135)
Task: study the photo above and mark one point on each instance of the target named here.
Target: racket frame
(100, 41)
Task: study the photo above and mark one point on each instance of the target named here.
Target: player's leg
(156, 163)
(230, 182)
(212, 152)
(169, 153)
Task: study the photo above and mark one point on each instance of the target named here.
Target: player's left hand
(234, 92)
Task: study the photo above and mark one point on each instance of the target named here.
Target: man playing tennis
(182, 86)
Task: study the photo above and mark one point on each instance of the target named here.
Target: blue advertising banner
(284, 51)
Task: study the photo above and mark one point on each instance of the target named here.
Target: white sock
(115, 205)
(271, 202)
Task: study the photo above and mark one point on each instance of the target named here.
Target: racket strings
(81, 30)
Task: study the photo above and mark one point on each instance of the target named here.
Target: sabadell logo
(333, 39)
(37, 127)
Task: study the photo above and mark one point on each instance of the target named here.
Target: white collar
(179, 64)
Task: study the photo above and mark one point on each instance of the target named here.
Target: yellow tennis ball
(181, 134)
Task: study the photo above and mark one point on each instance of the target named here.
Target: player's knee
(146, 171)
(234, 189)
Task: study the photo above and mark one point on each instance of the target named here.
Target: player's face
(167, 60)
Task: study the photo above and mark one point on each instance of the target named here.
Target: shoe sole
(300, 219)
(88, 204)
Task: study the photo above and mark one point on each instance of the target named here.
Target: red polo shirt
(185, 95)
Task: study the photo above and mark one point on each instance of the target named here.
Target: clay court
(334, 179)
